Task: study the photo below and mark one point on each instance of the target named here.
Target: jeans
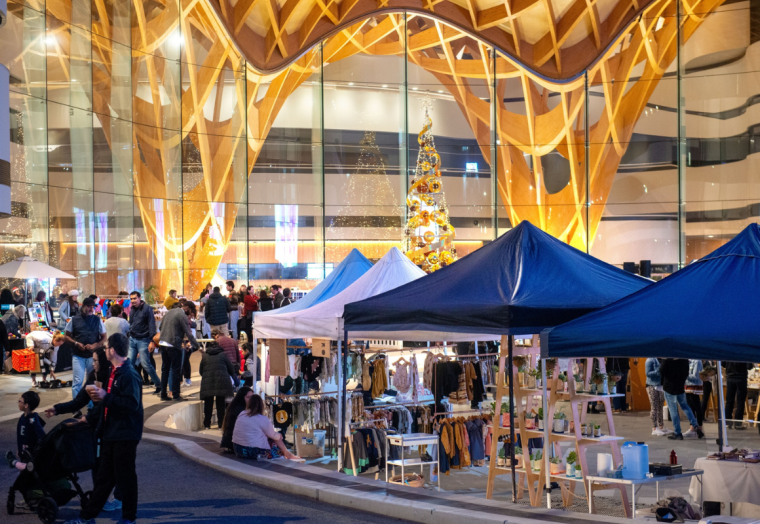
(116, 469)
(139, 346)
(171, 362)
(81, 367)
(208, 408)
(620, 402)
(736, 395)
(673, 402)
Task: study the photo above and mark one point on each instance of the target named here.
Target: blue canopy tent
(524, 281)
(352, 267)
(707, 310)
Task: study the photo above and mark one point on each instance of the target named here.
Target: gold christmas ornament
(434, 186)
(429, 237)
(433, 257)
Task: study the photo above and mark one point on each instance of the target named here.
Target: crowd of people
(688, 384)
(113, 360)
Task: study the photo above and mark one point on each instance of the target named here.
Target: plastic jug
(635, 460)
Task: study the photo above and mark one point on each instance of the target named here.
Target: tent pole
(721, 410)
(342, 388)
(511, 375)
(256, 383)
(545, 404)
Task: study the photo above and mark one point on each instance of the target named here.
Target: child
(28, 433)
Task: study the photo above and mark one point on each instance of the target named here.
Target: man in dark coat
(217, 311)
(175, 328)
(118, 415)
(217, 373)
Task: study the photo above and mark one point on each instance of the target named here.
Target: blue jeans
(679, 400)
(81, 367)
(139, 347)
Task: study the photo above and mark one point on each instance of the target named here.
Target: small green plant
(559, 416)
(555, 460)
(597, 378)
(563, 377)
(572, 457)
(577, 377)
(540, 413)
(578, 467)
(597, 426)
(503, 453)
(537, 455)
(518, 450)
(518, 361)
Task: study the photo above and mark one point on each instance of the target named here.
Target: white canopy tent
(26, 268)
(325, 319)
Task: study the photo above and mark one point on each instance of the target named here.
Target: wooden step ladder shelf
(524, 401)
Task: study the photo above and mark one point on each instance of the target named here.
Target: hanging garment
(379, 378)
(414, 378)
(366, 375)
(401, 380)
(428, 372)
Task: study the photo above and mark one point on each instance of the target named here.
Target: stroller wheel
(47, 510)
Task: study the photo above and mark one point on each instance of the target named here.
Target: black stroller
(46, 484)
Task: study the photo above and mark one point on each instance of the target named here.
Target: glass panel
(23, 50)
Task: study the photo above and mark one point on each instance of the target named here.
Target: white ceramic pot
(570, 471)
(559, 426)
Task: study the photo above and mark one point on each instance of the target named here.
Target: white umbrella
(25, 268)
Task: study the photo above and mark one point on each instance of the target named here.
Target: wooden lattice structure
(265, 50)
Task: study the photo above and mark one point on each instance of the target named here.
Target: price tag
(320, 347)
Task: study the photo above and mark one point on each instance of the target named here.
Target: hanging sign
(278, 357)
(320, 347)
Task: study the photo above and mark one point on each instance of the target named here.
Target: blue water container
(635, 460)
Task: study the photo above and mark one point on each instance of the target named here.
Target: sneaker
(188, 382)
(80, 521)
(690, 434)
(667, 431)
(740, 426)
(21, 504)
(676, 436)
(658, 432)
(112, 504)
(165, 399)
(700, 433)
(11, 458)
(157, 392)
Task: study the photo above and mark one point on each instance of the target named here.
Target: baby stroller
(68, 449)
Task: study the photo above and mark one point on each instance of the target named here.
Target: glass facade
(146, 153)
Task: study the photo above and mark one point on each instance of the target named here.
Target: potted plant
(563, 379)
(530, 422)
(597, 430)
(578, 382)
(555, 466)
(583, 428)
(600, 382)
(532, 376)
(540, 418)
(536, 460)
(518, 457)
(578, 471)
(572, 458)
(518, 361)
(559, 422)
(501, 460)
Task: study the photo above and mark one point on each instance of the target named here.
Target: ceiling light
(350, 83)
(414, 89)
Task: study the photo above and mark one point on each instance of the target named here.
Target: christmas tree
(374, 197)
(428, 234)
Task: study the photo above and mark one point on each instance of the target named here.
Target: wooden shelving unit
(535, 481)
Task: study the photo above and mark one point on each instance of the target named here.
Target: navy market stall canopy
(523, 282)
(708, 310)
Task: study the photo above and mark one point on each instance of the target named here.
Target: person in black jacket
(236, 407)
(620, 366)
(265, 301)
(674, 372)
(216, 372)
(736, 392)
(118, 416)
(217, 311)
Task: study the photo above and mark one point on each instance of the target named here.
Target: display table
(411, 439)
(695, 474)
(727, 481)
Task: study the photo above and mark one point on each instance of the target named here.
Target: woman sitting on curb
(254, 436)
(236, 407)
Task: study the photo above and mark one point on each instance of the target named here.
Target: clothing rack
(400, 404)
(458, 413)
(476, 355)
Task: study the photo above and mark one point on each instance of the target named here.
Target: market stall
(521, 283)
(708, 310)
(323, 320)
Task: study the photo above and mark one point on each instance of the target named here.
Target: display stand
(411, 439)
(535, 479)
(579, 402)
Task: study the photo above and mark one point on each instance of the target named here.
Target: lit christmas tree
(429, 234)
(374, 197)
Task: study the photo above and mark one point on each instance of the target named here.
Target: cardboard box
(320, 347)
(310, 445)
